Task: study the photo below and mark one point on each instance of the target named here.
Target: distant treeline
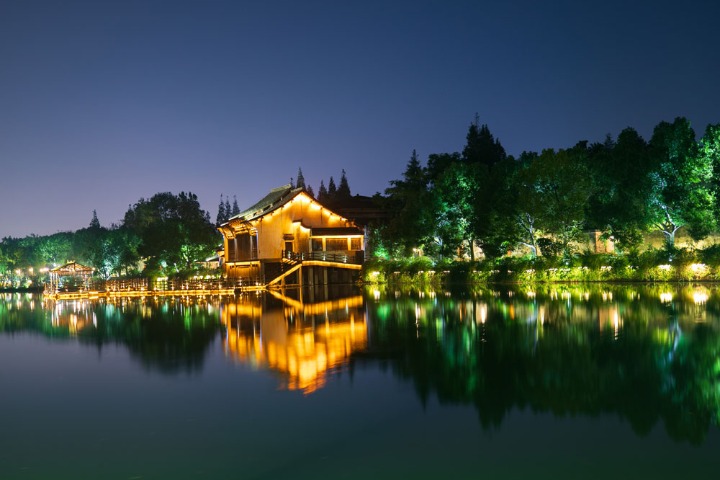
(543, 202)
(165, 234)
(449, 207)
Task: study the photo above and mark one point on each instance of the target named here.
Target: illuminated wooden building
(288, 237)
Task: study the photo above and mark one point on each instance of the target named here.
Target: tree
(228, 209)
(222, 215)
(332, 190)
(94, 223)
(481, 146)
(235, 207)
(300, 180)
(709, 151)
(343, 190)
(408, 201)
(174, 231)
(621, 187)
(682, 193)
(552, 196)
(451, 185)
(322, 193)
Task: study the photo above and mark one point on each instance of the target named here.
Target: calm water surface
(562, 382)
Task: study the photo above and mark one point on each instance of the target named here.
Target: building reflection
(305, 342)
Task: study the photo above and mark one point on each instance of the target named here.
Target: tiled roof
(277, 197)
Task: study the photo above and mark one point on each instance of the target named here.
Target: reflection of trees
(566, 353)
(167, 334)
(170, 334)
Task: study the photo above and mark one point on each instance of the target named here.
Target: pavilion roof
(72, 268)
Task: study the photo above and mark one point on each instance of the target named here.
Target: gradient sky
(106, 102)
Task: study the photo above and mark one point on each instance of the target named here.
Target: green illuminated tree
(709, 151)
(409, 204)
(174, 231)
(621, 187)
(553, 190)
(682, 193)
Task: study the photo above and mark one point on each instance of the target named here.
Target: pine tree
(300, 180)
(343, 191)
(310, 191)
(221, 216)
(235, 207)
(323, 193)
(94, 223)
(481, 146)
(332, 190)
(228, 209)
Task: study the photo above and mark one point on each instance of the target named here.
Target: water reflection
(302, 341)
(649, 354)
(165, 334)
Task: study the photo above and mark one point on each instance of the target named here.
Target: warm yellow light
(700, 297)
(483, 312)
(664, 267)
(666, 297)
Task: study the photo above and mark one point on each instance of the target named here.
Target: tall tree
(452, 183)
(621, 187)
(322, 193)
(682, 194)
(481, 146)
(222, 214)
(174, 231)
(94, 222)
(408, 200)
(300, 180)
(332, 190)
(228, 208)
(235, 207)
(709, 151)
(552, 197)
(343, 190)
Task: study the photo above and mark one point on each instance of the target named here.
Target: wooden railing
(351, 257)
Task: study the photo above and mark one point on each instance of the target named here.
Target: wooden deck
(93, 294)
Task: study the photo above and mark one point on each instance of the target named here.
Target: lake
(566, 381)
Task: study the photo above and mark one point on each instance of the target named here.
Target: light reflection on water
(381, 383)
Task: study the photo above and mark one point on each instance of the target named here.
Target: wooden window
(336, 244)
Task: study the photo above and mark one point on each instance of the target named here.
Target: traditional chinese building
(288, 237)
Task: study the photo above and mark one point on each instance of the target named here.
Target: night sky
(106, 102)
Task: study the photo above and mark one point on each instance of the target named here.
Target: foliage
(682, 194)
(174, 231)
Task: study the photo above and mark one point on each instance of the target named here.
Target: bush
(710, 255)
